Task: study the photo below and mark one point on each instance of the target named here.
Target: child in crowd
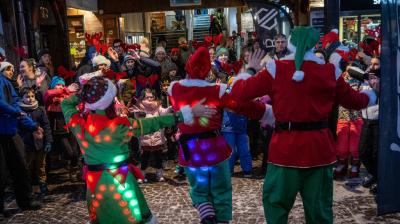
(152, 144)
(62, 137)
(234, 130)
(36, 146)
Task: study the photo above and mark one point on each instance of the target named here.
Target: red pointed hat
(330, 37)
(199, 64)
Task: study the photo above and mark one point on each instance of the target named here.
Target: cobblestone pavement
(171, 203)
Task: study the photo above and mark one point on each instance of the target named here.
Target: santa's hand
(255, 60)
(201, 110)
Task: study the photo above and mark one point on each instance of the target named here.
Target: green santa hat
(303, 39)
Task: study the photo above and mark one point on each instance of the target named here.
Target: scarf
(29, 107)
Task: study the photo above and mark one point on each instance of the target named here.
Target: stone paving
(170, 202)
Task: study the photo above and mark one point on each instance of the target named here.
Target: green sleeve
(146, 126)
(68, 106)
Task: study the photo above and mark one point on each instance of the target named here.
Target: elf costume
(203, 151)
(303, 91)
(113, 195)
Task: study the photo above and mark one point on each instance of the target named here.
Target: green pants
(282, 184)
(212, 184)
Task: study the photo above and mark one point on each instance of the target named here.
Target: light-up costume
(203, 150)
(113, 195)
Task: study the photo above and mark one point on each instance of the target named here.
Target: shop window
(76, 35)
(369, 22)
(349, 28)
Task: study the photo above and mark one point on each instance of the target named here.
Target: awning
(130, 6)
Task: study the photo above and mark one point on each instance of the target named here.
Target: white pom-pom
(298, 76)
(335, 31)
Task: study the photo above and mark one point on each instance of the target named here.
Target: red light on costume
(90, 178)
(91, 129)
(135, 124)
(79, 136)
(107, 138)
(130, 219)
(112, 188)
(126, 211)
(130, 134)
(117, 196)
(123, 203)
(113, 127)
(95, 204)
(102, 187)
(85, 144)
(99, 196)
(97, 139)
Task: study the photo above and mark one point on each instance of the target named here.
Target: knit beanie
(98, 93)
(127, 58)
(4, 65)
(222, 50)
(42, 52)
(100, 59)
(56, 80)
(159, 50)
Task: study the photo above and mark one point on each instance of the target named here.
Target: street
(170, 202)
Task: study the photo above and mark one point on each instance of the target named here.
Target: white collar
(195, 82)
(308, 56)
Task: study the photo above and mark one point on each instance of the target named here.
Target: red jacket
(209, 151)
(309, 100)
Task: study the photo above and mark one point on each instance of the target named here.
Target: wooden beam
(130, 6)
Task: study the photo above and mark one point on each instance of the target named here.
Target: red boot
(355, 168)
(341, 169)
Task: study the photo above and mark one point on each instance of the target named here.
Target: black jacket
(38, 115)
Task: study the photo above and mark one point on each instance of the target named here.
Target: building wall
(92, 21)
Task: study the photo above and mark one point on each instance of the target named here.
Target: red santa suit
(302, 147)
(203, 151)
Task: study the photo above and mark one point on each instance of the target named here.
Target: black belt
(105, 166)
(301, 126)
(184, 138)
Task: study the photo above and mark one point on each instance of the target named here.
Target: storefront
(355, 18)
(83, 18)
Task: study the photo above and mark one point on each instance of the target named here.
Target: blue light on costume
(201, 179)
(205, 145)
(191, 144)
(196, 157)
(204, 168)
(211, 157)
(192, 169)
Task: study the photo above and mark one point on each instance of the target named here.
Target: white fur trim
(268, 117)
(153, 220)
(338, 73)
(171, 85)
(335, 31)
(222, 89)
(87, 76)
(195, 82)
(290, 46)
(241, 76)
(371, 95)
(271, 68)
(104, 101)
(308, 56)
(4, 65)
(298, 76)
(187, 114)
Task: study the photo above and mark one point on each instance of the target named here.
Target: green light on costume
(203, 121)
(119, 158)
(128, 194)
(133, 203)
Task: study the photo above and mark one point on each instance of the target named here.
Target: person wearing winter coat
(62, 137)
(11, 147)
(36, 147)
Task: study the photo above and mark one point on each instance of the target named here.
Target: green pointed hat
(304, 38)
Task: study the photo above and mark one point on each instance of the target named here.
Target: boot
(43, 190)
(159, 175)
(355, 168)
(340, 170)
(209, 220)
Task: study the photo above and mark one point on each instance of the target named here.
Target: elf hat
(198, 64)
(303, 38)
(100, 59)
(56, 80)
(98, 93)
(330, 37)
